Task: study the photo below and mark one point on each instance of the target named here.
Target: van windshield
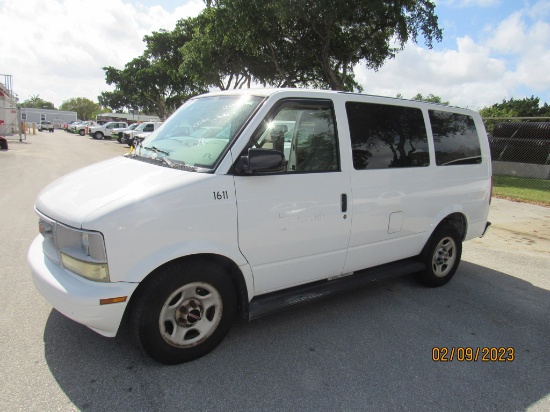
(199, 132)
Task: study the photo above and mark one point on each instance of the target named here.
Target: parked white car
(224, 216)
(45, 125)
(99, 132)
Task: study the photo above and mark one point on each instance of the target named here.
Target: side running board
(270, 303)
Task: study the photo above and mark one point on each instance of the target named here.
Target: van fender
(142, 268)
(442, 215)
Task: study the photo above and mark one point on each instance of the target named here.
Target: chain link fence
(520, 148)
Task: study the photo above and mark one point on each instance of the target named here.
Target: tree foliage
(153, 82)
(429, 98)
(84, 108)
(300, 42)
(281, 43)
(237, 43)
(36, 102)
(527, 107)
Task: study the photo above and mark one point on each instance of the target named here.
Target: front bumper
(76, 297)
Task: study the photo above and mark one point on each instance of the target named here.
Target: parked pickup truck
(99, 132)
(117, 133)
(80, 128)
(225, 218)
(145, 127)
(45, 125)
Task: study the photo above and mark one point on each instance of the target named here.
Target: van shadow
(370, 349)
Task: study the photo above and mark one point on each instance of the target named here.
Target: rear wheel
(81, 132)
(441, 255)
(184, 312)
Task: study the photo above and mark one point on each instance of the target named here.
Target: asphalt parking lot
(367, 350)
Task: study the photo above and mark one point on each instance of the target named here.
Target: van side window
(386, 136)
(305, 133)
(455, 138)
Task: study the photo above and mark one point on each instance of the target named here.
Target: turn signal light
(113, 300)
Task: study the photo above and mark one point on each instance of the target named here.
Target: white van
(247, 202)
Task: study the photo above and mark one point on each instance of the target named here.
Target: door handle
(344, 202)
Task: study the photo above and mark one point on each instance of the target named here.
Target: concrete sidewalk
(518, 226)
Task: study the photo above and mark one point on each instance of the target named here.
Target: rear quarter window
(456, 140)
(387, 136)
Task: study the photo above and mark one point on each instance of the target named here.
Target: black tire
(98, 135)
(81, 132)
(119, 139)
(180, 297)
(51, 130)
(441, 255)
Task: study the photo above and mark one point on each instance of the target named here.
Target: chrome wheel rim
(444, 257)
(190, 315)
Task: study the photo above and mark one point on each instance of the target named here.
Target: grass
(522, 189)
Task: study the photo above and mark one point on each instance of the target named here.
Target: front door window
(304, 132)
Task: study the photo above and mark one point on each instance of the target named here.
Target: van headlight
(90, 270)
(80, 251)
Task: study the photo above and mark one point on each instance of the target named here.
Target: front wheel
(98, 135)
(82, 132)
(184, 311)
(442, 256)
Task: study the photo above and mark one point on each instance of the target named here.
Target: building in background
(8, 108)
(126, 117)
(57, 117)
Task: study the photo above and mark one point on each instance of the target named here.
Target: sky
(491, 49)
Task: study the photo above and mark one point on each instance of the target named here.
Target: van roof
(266, 92)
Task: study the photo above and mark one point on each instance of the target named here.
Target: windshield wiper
(176, 165)
(154, 149)
(180, 165)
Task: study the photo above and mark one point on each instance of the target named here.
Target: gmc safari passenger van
(246, 202)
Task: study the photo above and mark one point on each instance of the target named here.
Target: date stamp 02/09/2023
(473, 354)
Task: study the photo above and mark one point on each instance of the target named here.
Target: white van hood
(110, 184)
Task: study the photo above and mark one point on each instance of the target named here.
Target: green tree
(36, 102)
(214, 55)
(116, 100)
(229, 56)
(322, 41)
(429, 98)
(526, 107)
(153, 82)
(84, 108)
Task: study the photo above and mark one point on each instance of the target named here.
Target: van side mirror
(262, 161)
